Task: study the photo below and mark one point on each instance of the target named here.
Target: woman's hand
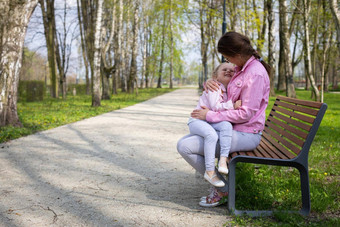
(200, 114)
(237, 104)
(211, 85)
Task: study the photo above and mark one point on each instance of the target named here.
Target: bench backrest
(290, 128)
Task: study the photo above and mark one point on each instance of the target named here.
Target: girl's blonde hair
(214, 74)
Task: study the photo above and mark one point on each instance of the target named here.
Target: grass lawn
(258, 186)
(51, 113)
(261, 187)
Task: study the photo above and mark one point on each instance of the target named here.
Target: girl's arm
(216, 101)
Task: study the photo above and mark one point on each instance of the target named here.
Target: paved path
(116, 169)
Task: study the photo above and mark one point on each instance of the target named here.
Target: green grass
(51, 113)
(261, 187)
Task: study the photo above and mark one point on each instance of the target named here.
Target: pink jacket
(214, 100)
(251, 86)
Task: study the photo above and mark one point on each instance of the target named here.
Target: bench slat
(285, 128)
(257, 153)
(277, 145)
(250, 153)
(302, 109)
(267, 146)
(268, 152)
(291, 121)
(242, 153)
(264, 153)
(301, 102)
(283, 141)
(293, 114)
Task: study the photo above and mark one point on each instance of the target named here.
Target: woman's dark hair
(233, 43)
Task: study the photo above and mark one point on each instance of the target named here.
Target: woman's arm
(200, 114)
(251, 96)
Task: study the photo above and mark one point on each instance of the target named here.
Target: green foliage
(51, 113)
(80, 89)
(31, 90)
(35, 91)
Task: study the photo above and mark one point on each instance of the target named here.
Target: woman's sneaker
(215, 198)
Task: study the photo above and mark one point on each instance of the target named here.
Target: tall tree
(306, 48)
(144, 41)
(133, 70)
(205, 19)
(108, 65)
(159, 83)
(48, 12)
(63, 46)
(290, 90)
(118, 47)
(96, 96)
(82, 33)
(171, 45)
(15, 15)
(334, 5)
(271, 44)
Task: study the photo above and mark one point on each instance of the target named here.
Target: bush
(35, 91)
(31, 91)
(80, 89)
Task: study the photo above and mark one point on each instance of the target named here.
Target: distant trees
(134, 44)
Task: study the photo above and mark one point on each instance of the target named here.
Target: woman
(250, 84)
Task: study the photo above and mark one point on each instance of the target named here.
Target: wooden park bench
(288, 134)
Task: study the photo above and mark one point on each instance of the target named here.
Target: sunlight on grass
(51, 113)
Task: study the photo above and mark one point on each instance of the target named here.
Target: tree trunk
(118, 47)
(281, 82)
(315, 41)
(96, 58)
(271, 44)
(62, 54)
(308, 65)
(336, 16)
(323, 65)
(83, 48)
(159, 83)
(15, 16)
(171, 46)
(204, 36)
(133, 70)
(108, 66)
(125, 53)
(47, 8)
(290, 89)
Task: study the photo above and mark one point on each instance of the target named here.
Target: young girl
(214, 100)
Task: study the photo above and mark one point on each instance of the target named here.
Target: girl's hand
(211, 85)
(200, 114)
(237, 104)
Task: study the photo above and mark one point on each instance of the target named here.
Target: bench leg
(305, 193)
(231, 181)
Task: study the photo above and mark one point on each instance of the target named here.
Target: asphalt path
(116, 169)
